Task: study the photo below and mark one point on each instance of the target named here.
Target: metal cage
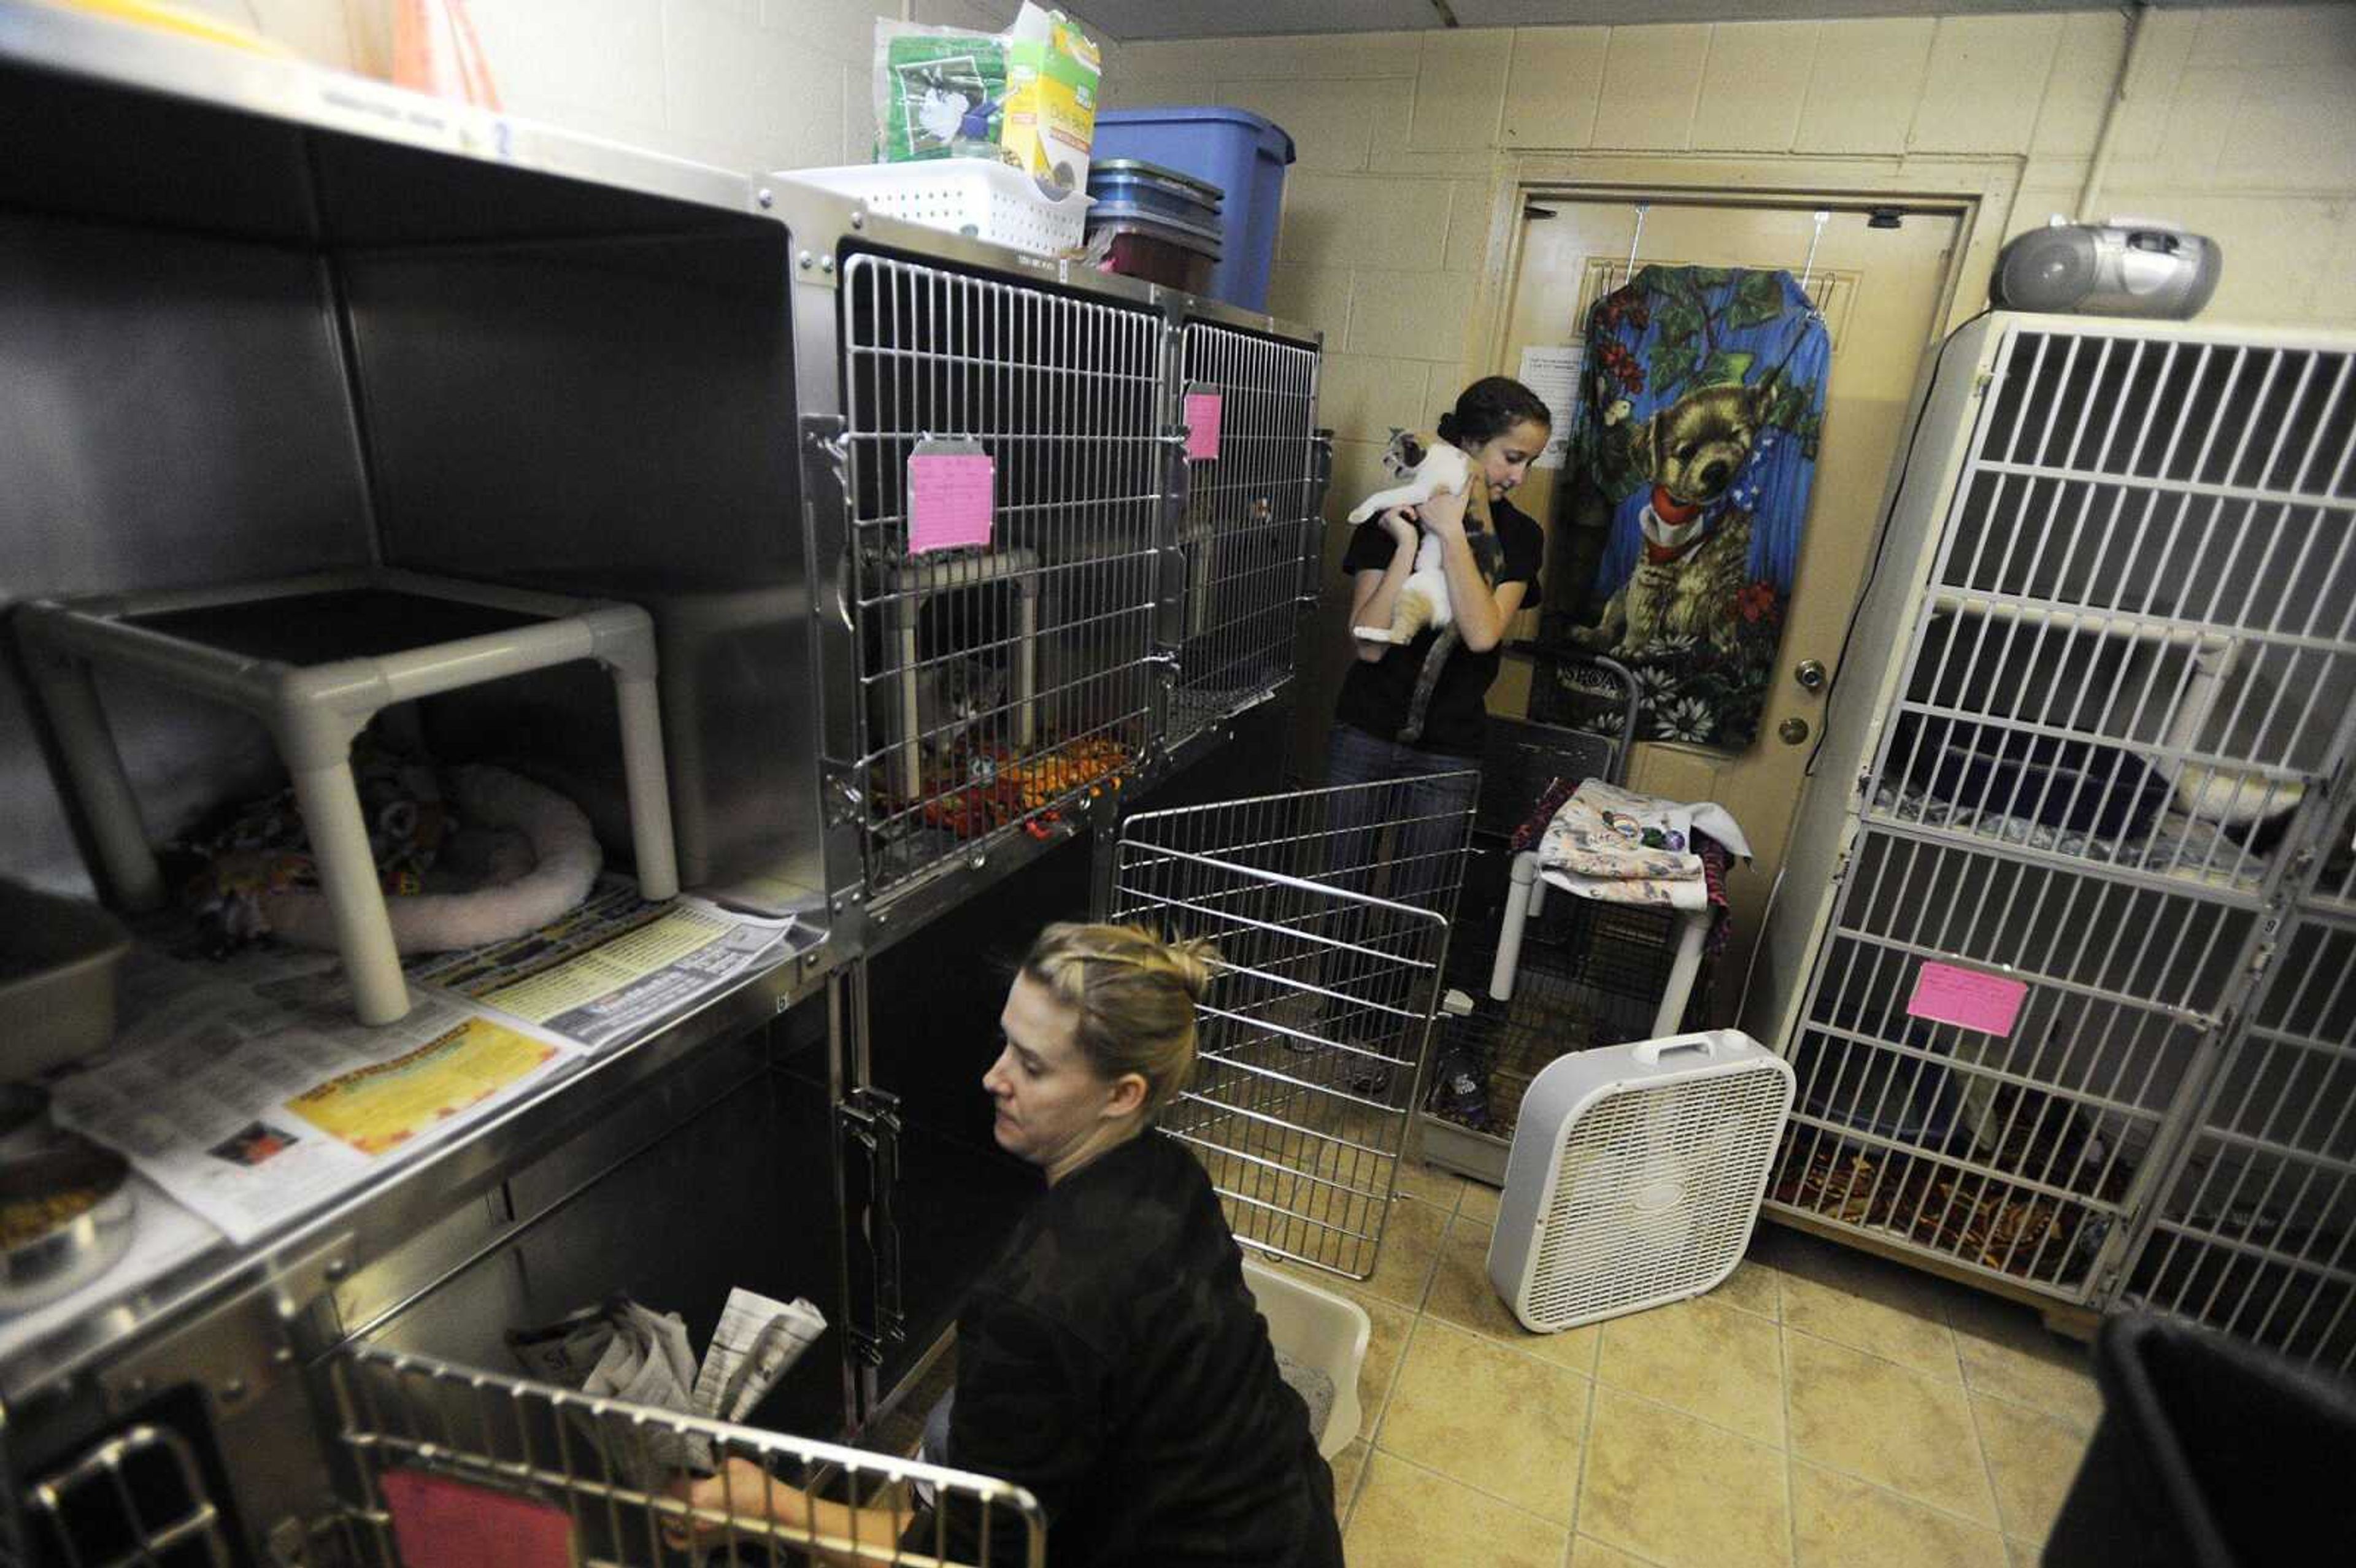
(2116, 726)
(997, 681)
(2137, 646)
(596, 1472)
(1251, 522)
(1329, 912)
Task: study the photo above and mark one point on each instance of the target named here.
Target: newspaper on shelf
(616, 967)
(249, 1093)
(246, 1091)
(622, 1350)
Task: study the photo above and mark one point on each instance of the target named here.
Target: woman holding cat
(1414, 711)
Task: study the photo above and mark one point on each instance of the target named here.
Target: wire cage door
(589, 1480)
(2137, 642)
(998, 677)
(2019, 1146)
(1251, 523)
(1330, 911)
(2253, 1229)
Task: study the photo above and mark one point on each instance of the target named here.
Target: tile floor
(1819, 1408)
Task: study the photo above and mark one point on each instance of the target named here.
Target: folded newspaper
(622, 1350)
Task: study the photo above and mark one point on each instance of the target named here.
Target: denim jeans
(1423, 867)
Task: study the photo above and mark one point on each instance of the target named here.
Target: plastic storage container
(1165, 193)
(58, 963)
(2211, 1454)
(974, 197)
(1233, 149)
(1177, 256)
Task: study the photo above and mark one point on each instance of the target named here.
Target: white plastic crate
(975, 196)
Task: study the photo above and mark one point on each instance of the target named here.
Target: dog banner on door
(1688, 480)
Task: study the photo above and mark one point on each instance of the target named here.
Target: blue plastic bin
(1233, 149)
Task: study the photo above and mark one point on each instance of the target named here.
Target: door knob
(1810, 675)
(1793, 731)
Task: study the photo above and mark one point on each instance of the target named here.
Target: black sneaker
(1459, 1088)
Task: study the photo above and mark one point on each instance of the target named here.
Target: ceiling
(1138, 19)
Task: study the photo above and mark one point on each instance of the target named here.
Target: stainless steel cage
(1251, 524)
(997, 681)
(1329, 909)
(605, 1465)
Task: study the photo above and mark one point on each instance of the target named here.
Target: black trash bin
(2211, 1454)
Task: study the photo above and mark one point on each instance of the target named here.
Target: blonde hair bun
(1132, 995)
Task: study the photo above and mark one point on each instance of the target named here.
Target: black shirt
(1374, 697)
(1113, 1361)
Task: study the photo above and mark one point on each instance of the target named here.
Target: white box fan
(1635, 1176)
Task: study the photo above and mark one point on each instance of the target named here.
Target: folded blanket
(1619, 847)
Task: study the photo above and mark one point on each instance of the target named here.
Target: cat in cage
(960, 710)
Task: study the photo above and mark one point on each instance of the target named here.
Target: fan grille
(1654, 1193)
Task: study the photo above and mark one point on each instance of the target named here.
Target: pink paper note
(451, 1524)
(1202, 426)
(1989, 1003)
(949, 501)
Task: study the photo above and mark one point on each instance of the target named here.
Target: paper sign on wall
(951, 489)
(1203, 409)
(1967, 997)
(1553, 375)
(454, 1525)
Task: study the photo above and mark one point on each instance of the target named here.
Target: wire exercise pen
(1251, 522)
(603, 1465)
(1329, 911)
(996, 682)
(2118, 712)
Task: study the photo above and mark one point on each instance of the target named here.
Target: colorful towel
(1702, 400)
(1618, 847)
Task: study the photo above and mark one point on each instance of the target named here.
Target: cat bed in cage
(315, 659)
(912, 706)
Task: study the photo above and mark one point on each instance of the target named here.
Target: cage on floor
(1327, 910)
(1001, 677)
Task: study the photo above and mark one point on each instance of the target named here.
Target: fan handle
(1651, 1051)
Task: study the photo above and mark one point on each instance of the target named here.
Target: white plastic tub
(1319, 1330)
(975, 196)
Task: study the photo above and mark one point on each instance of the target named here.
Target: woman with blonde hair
(1112, 1360)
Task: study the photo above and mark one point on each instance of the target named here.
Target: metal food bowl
(76, 1248)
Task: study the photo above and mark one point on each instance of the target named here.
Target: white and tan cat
(1426, 466)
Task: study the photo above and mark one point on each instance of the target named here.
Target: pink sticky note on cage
(949, 500)
(1989, 1003)
(1202, 426)
(454, 1525)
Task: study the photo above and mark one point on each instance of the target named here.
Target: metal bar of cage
(998, 682)
(605, 1464)
(1248, 512)
(1330, 912)
(138, 1497)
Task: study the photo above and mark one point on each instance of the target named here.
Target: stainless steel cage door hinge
(869, 1125)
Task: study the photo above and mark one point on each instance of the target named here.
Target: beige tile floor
(1819, 1408)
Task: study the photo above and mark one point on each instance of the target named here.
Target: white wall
(748, 84)
(2241, 123)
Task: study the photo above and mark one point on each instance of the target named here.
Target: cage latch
(869, 1120)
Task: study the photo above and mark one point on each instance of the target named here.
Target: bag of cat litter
(1052, 74)
(941, 92)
